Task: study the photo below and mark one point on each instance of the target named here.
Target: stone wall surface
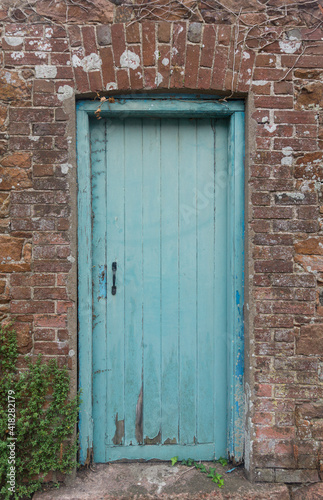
(268, 52)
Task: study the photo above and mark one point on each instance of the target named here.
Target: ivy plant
(37, 421)
(211, 471)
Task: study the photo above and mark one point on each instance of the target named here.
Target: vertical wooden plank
(151, 282)
(187, 145)
(84, 282)
(98, 161)
(133, 282)
(235, 296)
(115, 303)
(169, 279)
(221, 342)
(206, 215)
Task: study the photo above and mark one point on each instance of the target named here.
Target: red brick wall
(47, 59)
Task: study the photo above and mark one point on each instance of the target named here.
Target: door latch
(114, 270)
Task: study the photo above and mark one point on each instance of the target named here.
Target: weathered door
(159, 259)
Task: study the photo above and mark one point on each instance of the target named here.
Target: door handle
(114, 270)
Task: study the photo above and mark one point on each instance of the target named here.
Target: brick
(177, 77)
(273, 267)
(44, 252)
(31, 115)
(192, 66)
(286, 102)
(50, 321)
(179, 42)
(50, 293)
(65, 73)
(51, 210)
(303, 144)
(224, 34)
(164, 32)
(303, 62)
(133, 33)
(118, 42)
(273, 213)
(75, 36)
(48, 45)
(219, 67)
(49, 129)
(32, 225)
(44, 334)
(306, 117)
(45, 86)
(296, 226)
(273, 239)
(51, 239)
(245, 72)
(108, 74)
(148, 43)
(52, 266)
(295, 198)
(208, 46)
(81, 80)
(51, 348)
(32, 306)
(136, 76)
(270, 74)
(95, 81)
(296, 476)
(123, 79)
(164, 64)
(18, 143)
(17, 211)
(150, 78)
(89, 40)
(27, 59)
(103, 33)
(47, 157)
(204, 78)
(308, 212)
(266, 60)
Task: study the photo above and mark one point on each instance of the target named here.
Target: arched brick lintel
(161, 56)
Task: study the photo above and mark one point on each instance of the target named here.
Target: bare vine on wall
(256, 24)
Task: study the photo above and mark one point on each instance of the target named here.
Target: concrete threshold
(148, 481)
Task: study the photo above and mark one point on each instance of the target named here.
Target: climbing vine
(37, 421)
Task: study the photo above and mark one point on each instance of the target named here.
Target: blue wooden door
(159, 212)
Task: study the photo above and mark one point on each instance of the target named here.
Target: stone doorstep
(142, 481)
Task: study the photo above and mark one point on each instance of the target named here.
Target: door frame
(166, 106)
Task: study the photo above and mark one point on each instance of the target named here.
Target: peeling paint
(165, 61)
(170, 441)
(139, 412)
(154, 440)
(119, 433)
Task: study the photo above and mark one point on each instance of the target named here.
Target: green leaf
(174, 460)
